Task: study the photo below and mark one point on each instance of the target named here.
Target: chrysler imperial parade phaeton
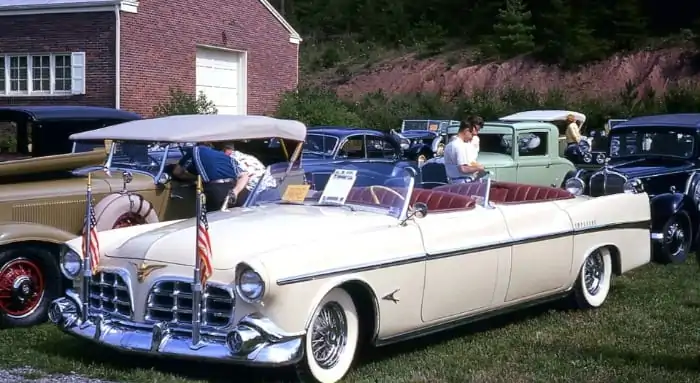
(660, 155)
(45, 202)
(535, 159)
(286, 300)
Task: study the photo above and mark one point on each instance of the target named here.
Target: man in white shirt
(476, 123)
(460, 155)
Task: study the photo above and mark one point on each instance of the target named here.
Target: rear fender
(14, 232)
(663, 206)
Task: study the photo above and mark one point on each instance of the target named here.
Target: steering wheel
(375, 199)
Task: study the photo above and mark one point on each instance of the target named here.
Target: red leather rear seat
(436, 200)
(509, 192)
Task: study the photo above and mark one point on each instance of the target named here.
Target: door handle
(175, 196)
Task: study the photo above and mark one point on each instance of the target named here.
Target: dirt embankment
(648, 69)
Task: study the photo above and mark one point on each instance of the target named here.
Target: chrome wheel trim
(329, 335)
(674, 238)
(593, 273)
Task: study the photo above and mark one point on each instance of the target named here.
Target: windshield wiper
(326, 204)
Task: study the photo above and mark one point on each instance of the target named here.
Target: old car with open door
(591, 150)
(657, 154)
(44, 201)
(346, 266)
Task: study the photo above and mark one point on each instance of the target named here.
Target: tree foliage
(566, 32)
(180, 102)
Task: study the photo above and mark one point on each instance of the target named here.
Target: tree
(180, 102)
(513, 29)
(628, 25)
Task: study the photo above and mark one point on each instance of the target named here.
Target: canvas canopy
(198, 128)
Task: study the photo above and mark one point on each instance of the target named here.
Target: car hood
(245, 233)
(646, 168)
(495, 160)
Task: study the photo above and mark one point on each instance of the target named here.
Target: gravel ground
(28, 374)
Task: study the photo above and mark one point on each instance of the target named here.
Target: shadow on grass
(88, 353)
(617, 355)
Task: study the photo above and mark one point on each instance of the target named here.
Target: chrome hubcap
(594, 272)
(329, 335)
(675, 238)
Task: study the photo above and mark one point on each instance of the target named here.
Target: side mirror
(420, 210)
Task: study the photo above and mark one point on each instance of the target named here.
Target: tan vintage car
(131, 186)
(302, 277)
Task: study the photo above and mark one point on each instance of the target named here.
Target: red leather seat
(436, 200)
(508, 192)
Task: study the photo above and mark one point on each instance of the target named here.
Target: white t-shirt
(457, 153)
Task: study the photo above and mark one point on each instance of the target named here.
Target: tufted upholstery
(436, 200)
(508, 192)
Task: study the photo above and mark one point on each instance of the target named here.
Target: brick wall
(158, 49)
(92, 33)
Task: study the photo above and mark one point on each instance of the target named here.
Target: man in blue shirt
(220, 174)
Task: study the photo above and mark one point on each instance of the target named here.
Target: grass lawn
(649, 330)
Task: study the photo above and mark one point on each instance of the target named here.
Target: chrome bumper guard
(255, 340)
(657, 236)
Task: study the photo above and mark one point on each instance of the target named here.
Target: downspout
(117, 56)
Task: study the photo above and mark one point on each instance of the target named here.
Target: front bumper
(657, 236)
(255, 340)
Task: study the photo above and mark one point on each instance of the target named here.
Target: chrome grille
(605, 183)
(109, 294)
(171, 301)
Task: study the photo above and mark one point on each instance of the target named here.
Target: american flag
(203, 243)
(91, 245)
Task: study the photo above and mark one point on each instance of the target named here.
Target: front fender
(663, 206)
(13, 232)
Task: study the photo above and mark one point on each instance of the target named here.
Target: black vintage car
(424, 139)
(659, 155)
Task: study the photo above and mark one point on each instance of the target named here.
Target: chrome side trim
(255, 340)
(400, 261)
(686, 189)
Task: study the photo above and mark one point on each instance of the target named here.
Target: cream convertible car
(302, 277)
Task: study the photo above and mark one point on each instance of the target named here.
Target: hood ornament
(143, 270)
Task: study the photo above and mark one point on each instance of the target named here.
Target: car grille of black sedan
(605, 183)
(171, 301)
(109, 295)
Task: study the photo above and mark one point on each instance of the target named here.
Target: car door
(542, 254)
(466, 266)
(533, 159)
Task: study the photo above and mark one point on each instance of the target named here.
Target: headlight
(587, 157)
(574, 186)
(71, 263)
(249, 285)
(633, 186)
(600, 158)
(584, 146)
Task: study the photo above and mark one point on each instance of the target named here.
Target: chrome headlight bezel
(575, 186)
(633, 186)
(67, 263)
(600, 158)
(587, 157)
(249, 284)
(584, 146)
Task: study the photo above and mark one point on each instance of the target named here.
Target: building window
(56, 74)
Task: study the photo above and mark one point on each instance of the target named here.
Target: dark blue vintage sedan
(659, 155)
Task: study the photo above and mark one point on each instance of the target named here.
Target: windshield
(320, 144)
(649, 142)
(345, 186)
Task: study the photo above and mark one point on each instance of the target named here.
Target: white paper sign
(338, 186)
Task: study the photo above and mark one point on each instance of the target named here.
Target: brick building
(127, 54)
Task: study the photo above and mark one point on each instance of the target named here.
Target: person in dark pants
(220, 174)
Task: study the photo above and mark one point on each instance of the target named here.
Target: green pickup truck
(534, 159)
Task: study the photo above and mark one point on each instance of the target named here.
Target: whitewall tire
(594, 280)
(331, 339)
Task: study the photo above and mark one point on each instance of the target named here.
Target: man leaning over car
(220, 174)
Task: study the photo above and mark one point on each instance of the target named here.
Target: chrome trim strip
(686, 190)
(400, 261)
(657, 236)
(89, 169)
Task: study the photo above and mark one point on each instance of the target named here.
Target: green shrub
(180, 102)
(384, 112)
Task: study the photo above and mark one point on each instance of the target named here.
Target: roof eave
(294, 36)
(87, 6)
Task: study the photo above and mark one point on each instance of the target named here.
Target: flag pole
(87, 272)
(197, 287)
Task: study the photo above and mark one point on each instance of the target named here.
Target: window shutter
(77, 67)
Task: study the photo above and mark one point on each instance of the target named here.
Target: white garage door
(220, 75)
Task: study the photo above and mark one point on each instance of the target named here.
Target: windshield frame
(402, 215)
(107, 167)
(652, 129)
